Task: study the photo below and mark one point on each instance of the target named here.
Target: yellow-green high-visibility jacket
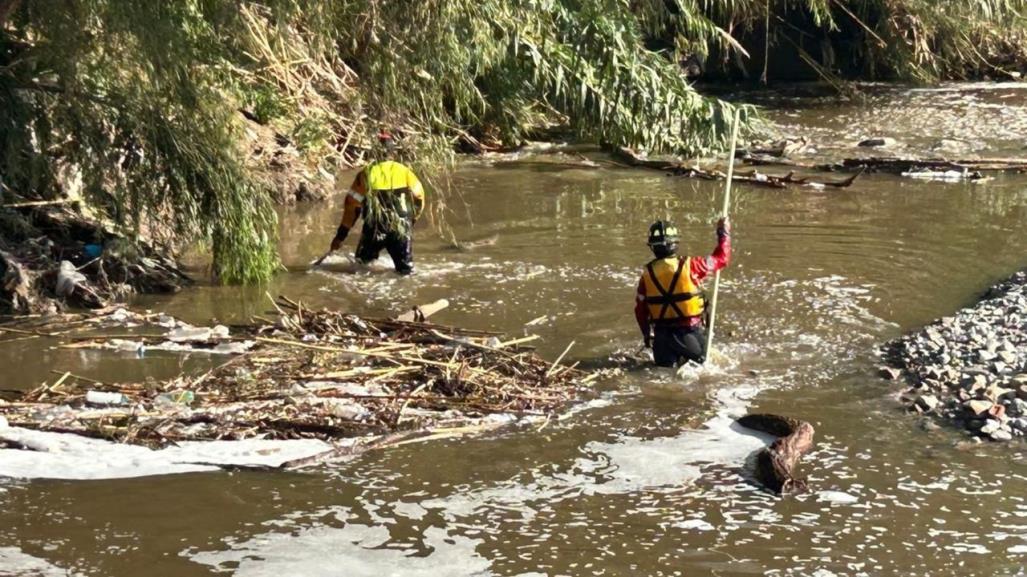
(395, 185)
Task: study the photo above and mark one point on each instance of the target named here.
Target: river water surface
(646, 478)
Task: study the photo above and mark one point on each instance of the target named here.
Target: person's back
(390, 198)
(669, 303)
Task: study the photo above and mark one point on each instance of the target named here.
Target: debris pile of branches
(971, 167)
(753, 177)
(312, 374)
(51, 255)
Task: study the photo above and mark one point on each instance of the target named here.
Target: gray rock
(927, 403)
(951, 146)
(974, 383)
(878, 142)
(1001, 435)
(987, 356)
(978, 408)
(996, 393)
(888, 373)
(990, 427)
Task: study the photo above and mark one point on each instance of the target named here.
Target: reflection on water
(647, 480)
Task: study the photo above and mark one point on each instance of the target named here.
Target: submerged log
(775, 465)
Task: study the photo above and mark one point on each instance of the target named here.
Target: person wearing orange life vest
(669, 302)
(390, 198)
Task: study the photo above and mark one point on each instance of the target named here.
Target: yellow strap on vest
(669, 290)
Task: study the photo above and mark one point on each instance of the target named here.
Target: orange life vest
(670, 293)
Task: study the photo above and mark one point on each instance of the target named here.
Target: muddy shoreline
(970, 368)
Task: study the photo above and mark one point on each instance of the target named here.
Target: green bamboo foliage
(142, 98)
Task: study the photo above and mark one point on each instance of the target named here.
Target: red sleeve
(703, 266)
(641, 311)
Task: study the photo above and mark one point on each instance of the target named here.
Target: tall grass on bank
(143, 102)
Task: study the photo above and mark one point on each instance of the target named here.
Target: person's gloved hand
(723, 227)
(647, 341)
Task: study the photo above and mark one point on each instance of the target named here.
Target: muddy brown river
(646, 478)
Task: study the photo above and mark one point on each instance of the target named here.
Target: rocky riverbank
(971, 368)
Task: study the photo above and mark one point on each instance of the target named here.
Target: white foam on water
(347, 263)
(354, 550)
(663, 463)
(694, 524)
(718, 363)
(969, 86)
(15, 563)
(627, 465)
(66, 456)
(836, 497)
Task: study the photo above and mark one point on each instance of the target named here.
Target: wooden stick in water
(318, 262)
(724, 214)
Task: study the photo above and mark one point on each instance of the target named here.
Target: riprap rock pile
(971, 367)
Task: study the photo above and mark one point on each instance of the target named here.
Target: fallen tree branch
(896, 164)
(753, 177)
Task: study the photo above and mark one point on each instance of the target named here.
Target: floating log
(755, 178)
(897, 164)
(775, 465)
(419, 314)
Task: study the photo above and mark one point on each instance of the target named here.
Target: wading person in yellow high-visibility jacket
(669, 303)
(390, 199)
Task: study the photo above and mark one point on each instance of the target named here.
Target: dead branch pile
(52, 255)
(313, 374)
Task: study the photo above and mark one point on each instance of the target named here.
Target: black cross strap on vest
(666, 299)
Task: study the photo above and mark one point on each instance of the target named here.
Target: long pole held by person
(727, 204)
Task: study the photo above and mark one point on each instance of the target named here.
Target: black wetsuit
(676, 345)
(397, 244)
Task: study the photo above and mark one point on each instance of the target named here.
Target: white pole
(727, 203)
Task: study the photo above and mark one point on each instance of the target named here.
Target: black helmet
(663, 237)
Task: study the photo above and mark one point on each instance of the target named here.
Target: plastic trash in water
(175, 398)
(68, 278)
(233, 348)
(187, 334)
(105, 398)
(126, 346)
(92, 250)
(167, 321)
(946, 175)
(120, 316)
